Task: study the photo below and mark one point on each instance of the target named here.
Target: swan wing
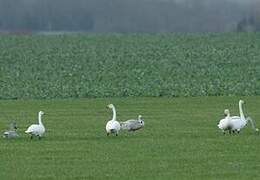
(10, 134)
(31, 128)
(132, 125)
(237, 123)
(235, 117)
(123, 125)
(35, 129)
(112, 125)
(224, 123)
(127, 124)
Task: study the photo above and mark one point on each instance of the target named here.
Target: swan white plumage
(37, 129)
(224, 124)
(112, 126)
(238, 122)
(132, 124)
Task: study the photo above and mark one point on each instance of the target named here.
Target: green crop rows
(115, 65)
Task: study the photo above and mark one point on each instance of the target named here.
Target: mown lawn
(180, 140)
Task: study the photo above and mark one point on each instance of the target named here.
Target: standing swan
(37, 129)
(113, 125)
(236, 122)
(224, 124)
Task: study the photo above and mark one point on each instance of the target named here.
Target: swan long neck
(241, 111)
(40, 119)
(114, 114)
(228, 115)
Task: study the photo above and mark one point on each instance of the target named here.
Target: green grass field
(180, 140)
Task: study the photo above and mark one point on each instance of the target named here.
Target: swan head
(241, 101)
(111, 106)
(13, 126)
(41, 113)
(140, 120)
(226, 112)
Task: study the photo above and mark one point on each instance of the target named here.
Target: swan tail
(28, 131)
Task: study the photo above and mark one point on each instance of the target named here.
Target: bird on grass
(224, 124)
(236, 123)
(133, 124)
(112, 126)
(37, 129)
(11, 133)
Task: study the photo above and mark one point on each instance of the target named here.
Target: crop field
(180, 140)
(118, 65)
(179, 83)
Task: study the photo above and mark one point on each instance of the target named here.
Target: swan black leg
(31, 136)
(107, 134)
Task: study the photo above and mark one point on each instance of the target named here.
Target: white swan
(11, 133)
(224, 124)
(112, 126)
(238, 122)
(133, 124)
(37, 129)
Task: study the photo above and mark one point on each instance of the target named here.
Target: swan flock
(235, 123)
(232, 124)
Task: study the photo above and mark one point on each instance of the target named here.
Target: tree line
(128, 16)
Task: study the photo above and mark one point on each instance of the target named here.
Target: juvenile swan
(11, 133)
(113, 125)
(133, 124)
(37, 129)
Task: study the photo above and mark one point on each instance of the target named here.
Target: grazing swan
(224, 124)
(133, 124)
(11, 133)
(236, 122)
(113, 125)
(36, 129)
